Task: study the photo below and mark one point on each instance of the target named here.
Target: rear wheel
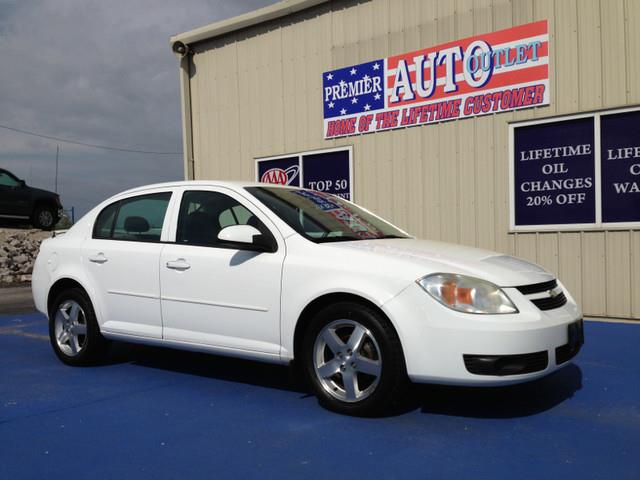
(73, 329)
(353, 359)
(44, 217)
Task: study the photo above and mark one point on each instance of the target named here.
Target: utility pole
(57, 154)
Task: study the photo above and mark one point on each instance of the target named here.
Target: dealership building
(510, 125)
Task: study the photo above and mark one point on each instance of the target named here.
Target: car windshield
(322, 217)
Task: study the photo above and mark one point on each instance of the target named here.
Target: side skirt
(199, 347)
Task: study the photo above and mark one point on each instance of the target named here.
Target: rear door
(122, 262)
(212, 293)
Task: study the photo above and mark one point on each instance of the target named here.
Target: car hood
(423, 257)
(42, 193)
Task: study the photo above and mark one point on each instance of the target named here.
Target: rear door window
(104, 223)
(138, 219)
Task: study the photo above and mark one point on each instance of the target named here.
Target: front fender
(296, 296)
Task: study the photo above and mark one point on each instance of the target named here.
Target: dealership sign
(620, 160)
(324, 171)
(495, 72)
(576, 172)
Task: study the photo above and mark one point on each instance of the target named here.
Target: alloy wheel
(347, 360)
(70, 328)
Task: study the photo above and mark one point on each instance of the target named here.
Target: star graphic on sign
(354, 100)
(330, 76)
(353, 71)
(376, 66)
(367, 107)
(366, 77)
(342, 82)
(330, 104)
(376, 96)
(343, 111)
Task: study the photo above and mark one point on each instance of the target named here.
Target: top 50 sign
(496, 72)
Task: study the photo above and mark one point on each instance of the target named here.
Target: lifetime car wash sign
(578, 172)
(495, 72)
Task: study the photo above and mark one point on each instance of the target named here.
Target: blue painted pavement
(156, 413)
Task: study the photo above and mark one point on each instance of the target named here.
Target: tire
(73, 329)
(333, 357)
(44, 217)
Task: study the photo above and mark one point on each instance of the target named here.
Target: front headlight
(467, 294)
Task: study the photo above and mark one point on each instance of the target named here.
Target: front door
(14, 197)
(216, 295)
(122, 262)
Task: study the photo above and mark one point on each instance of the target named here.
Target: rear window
(138, 219)
(104, 223)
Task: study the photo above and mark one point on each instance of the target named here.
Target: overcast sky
(100, 72)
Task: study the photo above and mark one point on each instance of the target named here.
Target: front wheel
(353, 359)
(73, 329)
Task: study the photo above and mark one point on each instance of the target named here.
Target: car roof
(234, 185)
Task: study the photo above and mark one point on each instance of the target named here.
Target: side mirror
(22, 183)
(246, 237)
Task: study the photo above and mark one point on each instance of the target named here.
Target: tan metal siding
(613, 44)
(548, 251)
(594, 293)
(570, 266)
(589, 55)
(527, 246)
(567, 81)
(618, 280)
(632, 49)
(258, 92)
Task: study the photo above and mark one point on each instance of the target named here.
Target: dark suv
(18, 201)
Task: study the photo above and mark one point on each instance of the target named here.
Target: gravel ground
(18, 249)
(30, 232)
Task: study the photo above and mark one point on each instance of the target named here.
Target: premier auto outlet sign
(490, 73)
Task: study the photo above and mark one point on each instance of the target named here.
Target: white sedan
(280, 274)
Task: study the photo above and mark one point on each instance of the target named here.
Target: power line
(86, 144)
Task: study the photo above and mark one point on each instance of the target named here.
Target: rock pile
(18, 250)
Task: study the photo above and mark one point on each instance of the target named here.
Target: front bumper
(518, 364)
(498, 349)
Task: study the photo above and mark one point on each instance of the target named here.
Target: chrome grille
(538, 287)
(544, 295)
(551, 302)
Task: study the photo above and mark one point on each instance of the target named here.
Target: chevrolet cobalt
(279, 274)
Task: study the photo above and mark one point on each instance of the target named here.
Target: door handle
(99, 258)
(179, 264)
